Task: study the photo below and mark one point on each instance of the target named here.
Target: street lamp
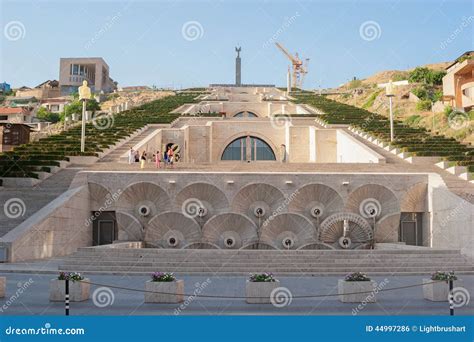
(84, 95)
(389, 93)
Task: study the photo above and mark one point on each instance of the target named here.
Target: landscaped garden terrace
(415, 140)
(26, 160)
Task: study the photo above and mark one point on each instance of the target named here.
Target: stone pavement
(409, 301)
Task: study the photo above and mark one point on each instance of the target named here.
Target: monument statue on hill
(238, 74)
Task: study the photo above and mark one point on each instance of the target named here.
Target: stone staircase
(457, 185)
(114, 156)
(32, 199)
(242, 262)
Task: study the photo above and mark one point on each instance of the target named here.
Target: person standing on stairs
(143, 160)
(131, 156)
(158, 159)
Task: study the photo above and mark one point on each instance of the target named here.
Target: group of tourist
(157, 158)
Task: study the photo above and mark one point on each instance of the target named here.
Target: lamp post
(84, 95)
(389, 94)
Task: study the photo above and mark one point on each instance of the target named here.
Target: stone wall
(57, 229)
(451, 220)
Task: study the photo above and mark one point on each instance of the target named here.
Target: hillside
(365, 94)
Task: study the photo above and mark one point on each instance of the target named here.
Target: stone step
(368, 263)
(272, 269)
(386, 257)
(157, 251)
(275, 260)
(105, 259)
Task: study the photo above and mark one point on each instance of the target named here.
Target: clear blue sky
(143, 43)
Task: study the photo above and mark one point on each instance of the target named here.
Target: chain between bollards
(66, 296)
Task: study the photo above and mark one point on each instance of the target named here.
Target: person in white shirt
(131, 156)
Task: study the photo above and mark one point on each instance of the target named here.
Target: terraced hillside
(415, 140)
(40, 156)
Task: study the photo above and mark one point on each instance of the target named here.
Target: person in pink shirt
(158, 159)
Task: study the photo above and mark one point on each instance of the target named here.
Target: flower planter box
(258, 292)
(345, 288)
(78, 291)
(3, 282)
(436, 292)
(171, 291)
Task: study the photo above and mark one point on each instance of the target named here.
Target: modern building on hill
(47, 89)
(458, 84)
(94, 70)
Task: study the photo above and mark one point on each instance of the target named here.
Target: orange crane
(299, 68)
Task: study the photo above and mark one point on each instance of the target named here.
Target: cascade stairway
(243, 262)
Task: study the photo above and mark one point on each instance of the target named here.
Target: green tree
(75, 107)
(46, 115)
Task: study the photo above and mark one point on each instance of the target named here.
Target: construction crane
(299, 68)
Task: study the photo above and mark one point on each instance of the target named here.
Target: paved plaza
(407, 301)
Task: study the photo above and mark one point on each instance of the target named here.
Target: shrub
(262, 277)
(357, 276)
(70, 276)
(438, 275)
(163, 276)
(427, 76)
(420, 92)
(423, 105)
(447, 111)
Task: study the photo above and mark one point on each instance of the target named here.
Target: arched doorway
(248, 148)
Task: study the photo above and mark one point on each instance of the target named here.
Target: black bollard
(451, 297)
(66, 296)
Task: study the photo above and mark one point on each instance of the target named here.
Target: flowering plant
(162, 276)
(70, 276)
(438, 275)
(357, 276)
(262, 277)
